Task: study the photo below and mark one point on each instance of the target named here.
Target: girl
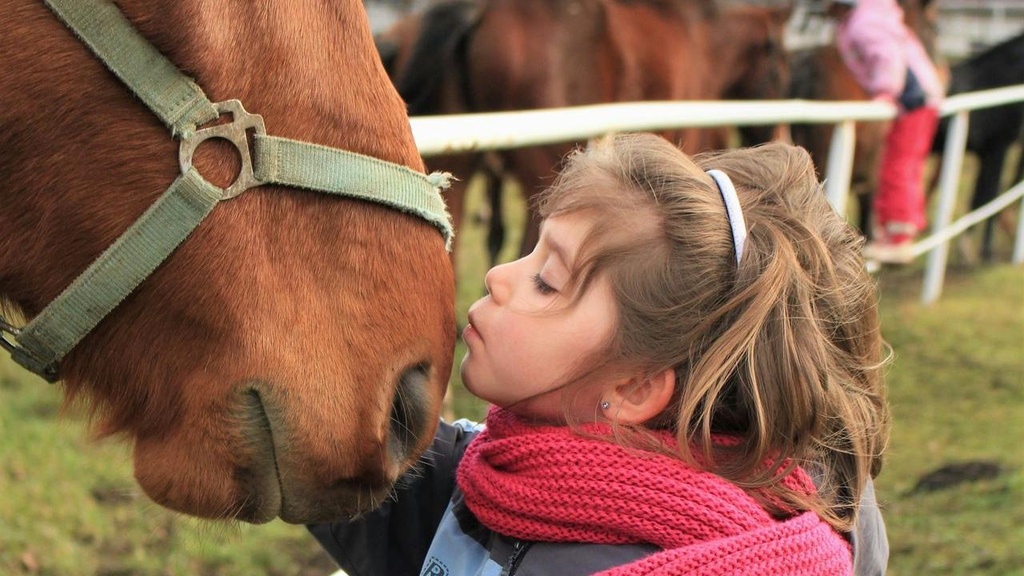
(889, 62)
(686, 374)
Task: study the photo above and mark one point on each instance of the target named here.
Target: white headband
(732, 209)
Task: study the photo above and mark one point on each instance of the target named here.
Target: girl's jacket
(426, 529)
(878, 49)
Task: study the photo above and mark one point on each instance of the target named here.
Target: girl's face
(526, 338)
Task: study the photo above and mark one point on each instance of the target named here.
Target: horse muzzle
(318, 478)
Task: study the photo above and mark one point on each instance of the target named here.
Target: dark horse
(991, 131)
(290, 357)
(433, 42)
(502, 55)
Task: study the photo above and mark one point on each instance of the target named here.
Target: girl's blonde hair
(782, 350)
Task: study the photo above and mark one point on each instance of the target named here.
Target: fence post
(1018, 242)
(840, 165)
(949, 184)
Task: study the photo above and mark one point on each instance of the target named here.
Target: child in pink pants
(890, 63)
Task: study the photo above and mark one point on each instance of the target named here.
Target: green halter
(183, 107)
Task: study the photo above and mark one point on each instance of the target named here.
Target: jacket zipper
(519, 548)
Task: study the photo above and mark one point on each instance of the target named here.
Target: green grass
(957, 394)
(69, 506)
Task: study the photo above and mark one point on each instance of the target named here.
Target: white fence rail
(437, 135)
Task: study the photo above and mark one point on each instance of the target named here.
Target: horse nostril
(409, 411)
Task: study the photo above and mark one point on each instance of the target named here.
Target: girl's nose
(497, 282)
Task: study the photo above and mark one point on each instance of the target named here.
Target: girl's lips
(470, 330)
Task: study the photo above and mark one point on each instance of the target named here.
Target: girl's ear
(640, 400)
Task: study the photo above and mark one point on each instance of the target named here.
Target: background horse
(502, 55)
(289, 359)
(991, 131)
(820, 74)
(424, 55)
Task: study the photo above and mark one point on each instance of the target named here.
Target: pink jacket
(877, 47)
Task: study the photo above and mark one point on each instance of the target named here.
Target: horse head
(290, 357)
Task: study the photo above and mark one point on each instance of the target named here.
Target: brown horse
(500, 55)
(820, 74)
(289, 358)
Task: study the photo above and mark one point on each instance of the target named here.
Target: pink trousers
(899, 202)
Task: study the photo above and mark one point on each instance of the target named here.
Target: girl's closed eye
(542, 286)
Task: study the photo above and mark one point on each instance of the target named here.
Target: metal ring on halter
(49, 371)
(5, 329)
(234, 132)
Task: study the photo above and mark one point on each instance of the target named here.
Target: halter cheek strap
(732, 209)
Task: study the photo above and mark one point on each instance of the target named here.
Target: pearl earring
(605, 405)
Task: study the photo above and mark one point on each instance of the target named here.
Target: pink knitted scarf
(550, 484)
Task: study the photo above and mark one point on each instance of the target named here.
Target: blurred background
(952, 491)
(965, 26)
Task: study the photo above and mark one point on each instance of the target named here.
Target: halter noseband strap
(183, 107)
